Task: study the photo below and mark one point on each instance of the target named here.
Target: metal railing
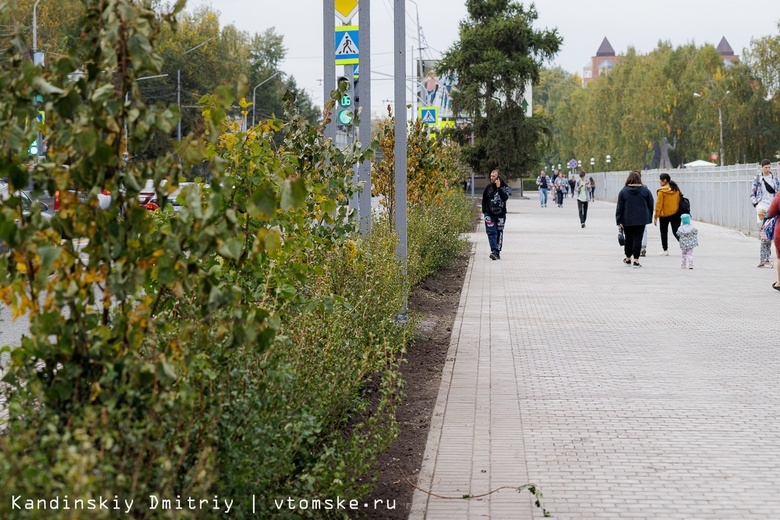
(718, 195)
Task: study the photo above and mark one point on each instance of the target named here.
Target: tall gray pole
(178, 102)
(254, 92)
(178, 83)
(35, 26)
(472, 170)
(364, 132)
(415, 82)
(720, 124)
(351, 137)
(328, 66)
(399, 51)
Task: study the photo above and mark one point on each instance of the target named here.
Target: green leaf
(103, 94)
(263, 204)
(48, 255)
(46, 88)
(231, 248)
(293, 193)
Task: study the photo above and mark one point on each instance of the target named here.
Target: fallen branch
(530, 487)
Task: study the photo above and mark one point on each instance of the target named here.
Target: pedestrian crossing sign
(429, 115)
(347, 45)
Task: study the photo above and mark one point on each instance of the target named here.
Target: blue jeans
(494, 227)
(542, 196)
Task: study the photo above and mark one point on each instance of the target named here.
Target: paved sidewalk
(621, 392)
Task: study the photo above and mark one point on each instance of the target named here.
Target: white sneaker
(663, 253)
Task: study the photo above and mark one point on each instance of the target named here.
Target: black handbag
(621, 237)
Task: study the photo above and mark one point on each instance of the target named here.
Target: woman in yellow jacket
(667, 205)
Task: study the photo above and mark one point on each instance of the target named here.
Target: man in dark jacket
(634, 211)
(494, 209)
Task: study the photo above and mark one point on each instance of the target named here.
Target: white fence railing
(718, 195)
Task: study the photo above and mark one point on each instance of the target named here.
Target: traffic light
(345, 112)
(36, 147)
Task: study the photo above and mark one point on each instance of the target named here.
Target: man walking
(494, 210)
(543, 184)
(765, 186)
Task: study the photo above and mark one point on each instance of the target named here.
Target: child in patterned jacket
(689, 238)
(766, 244)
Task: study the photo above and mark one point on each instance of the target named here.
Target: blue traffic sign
(429, 115)
(572, 164)
(346, 48)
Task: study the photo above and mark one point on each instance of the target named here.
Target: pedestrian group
(636, 209)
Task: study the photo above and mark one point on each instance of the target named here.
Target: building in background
(725, 50)
(606, 59)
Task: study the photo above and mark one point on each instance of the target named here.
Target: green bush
(530, 185)
(436, 233)
(247, 346)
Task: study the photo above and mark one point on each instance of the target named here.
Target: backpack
(685, 206)
(769, 227)
(496, 204)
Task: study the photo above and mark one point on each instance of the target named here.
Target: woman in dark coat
(774, 211)
(634, 211)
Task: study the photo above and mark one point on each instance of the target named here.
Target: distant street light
(254, 91)
(37, 56)
(609, 160)
(127, 100)
(592, 163)
(178, 85)
(720, 121)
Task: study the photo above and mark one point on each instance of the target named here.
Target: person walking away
(633, 212)
(765, 259)
(543, 184)
(765, 187)
(689, 238)
(773, 212)
(560, 187)
(667, 206)
(592, 189)
(494, 211)
(582, 188)
(572, 184)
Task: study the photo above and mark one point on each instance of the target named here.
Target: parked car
(104, 198)
(147, 197)
(27, 205)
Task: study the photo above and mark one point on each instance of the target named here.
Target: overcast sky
(582, 24)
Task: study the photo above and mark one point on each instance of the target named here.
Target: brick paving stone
(621, 392)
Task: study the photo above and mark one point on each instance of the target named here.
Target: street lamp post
(414, 71)
(178, 85)
(720, 125)
(720, 121)
(127, 100)
(36, 56)
(592, 163)
(254, 91)
(609, 160)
